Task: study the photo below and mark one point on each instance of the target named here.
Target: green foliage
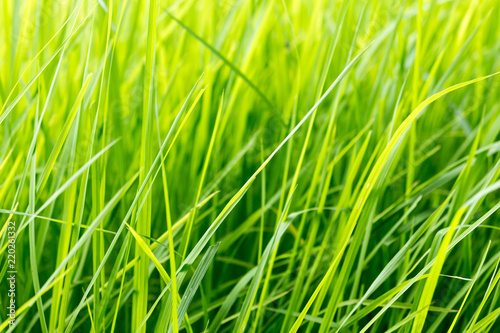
(250, 165)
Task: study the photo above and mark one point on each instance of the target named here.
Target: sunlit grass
(250, 166)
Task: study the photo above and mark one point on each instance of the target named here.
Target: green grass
(250, 166)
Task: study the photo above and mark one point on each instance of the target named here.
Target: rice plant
(249, 166)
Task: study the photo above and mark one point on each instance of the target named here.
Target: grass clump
(250, 166)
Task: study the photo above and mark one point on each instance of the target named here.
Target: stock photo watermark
(11, 272)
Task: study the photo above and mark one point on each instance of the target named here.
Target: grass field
(249, 166)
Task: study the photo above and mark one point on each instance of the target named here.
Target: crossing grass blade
(241, 323)
(431, 282)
